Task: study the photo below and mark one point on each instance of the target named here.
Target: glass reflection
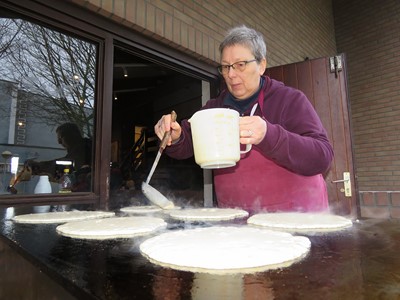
(47, 97)
(233, 286)
(172, 284)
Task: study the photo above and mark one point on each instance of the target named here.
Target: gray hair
(248, 37)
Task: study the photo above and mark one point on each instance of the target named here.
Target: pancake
(61, 216)
(111, 228)
(207, 214)
(225, 249)
(300, 222)
(145, 209)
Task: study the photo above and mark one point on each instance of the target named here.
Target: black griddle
(356, 263)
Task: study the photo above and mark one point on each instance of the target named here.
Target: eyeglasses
(239, 66)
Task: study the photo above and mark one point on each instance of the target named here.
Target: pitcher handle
(248, 148)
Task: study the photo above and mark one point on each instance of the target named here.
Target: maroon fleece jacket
(295, 144)
(295, 138)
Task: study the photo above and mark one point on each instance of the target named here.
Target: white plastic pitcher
(215, 134)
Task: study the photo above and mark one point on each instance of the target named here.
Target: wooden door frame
(327, 91)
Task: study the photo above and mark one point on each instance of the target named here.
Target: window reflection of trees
(46, 78)
(53, 66)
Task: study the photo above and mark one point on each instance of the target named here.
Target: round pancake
(300, 221)
(145, 209)
(111, 228)
(207, 214)
(225, 249)
(61, 216)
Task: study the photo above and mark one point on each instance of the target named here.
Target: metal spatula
(151, 193)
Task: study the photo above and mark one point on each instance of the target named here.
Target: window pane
(47, 79)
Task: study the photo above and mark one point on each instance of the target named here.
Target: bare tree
(57, 72)
(8, 33)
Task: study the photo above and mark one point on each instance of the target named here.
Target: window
(47, 80)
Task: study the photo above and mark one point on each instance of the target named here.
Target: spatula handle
(167, 134)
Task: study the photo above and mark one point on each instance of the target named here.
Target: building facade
(188, 33)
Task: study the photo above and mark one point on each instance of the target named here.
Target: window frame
(72, 20)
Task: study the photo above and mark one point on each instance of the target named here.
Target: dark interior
(144, 90)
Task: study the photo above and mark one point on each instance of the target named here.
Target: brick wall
(369, 33)
(294, 30)
(382, 205)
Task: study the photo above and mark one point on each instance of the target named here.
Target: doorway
(144, 89)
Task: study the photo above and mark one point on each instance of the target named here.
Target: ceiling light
(125, 72)
(6, 154)
(14, 164)
(64, 162)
